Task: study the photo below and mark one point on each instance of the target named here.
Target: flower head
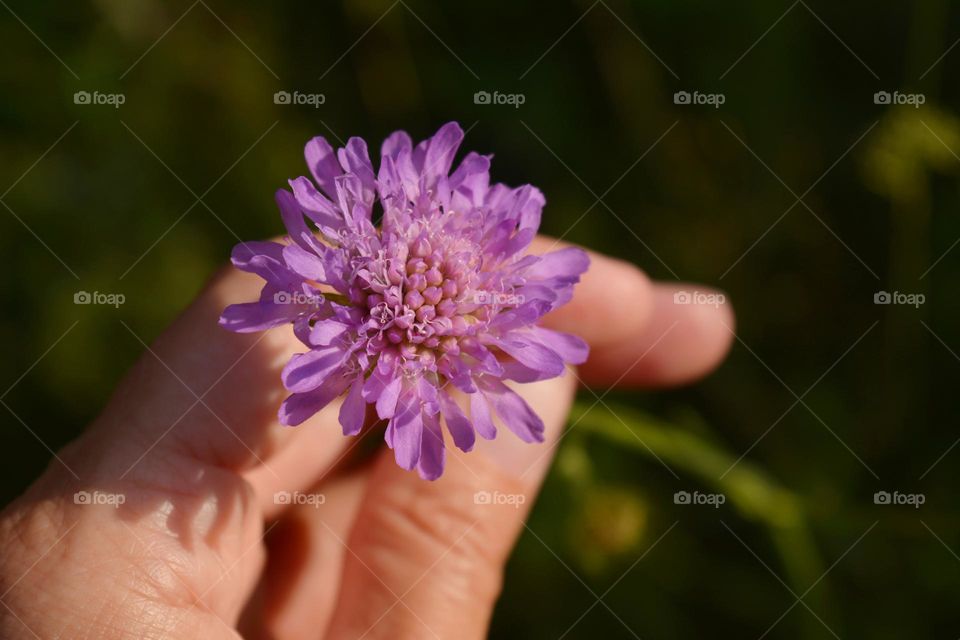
(440, 296)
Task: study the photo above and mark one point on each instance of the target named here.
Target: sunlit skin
(387, 555)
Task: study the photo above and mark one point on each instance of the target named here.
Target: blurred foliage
(909, 145)
(116, 200)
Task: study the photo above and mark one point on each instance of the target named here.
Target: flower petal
(520, 373)
(324, 332)
(387, 401)
(353, 409)
(248, 317)
(307, 371)
(306, 263)
(471, 180)
(480, 416)
(323, 164)
(301, 406)
(395, 143)
(292, 216)
(530, 353)
(563, 265)
(316, 206)
(457, 423)
(569, 347)
(514, 411)
(432, 452)
(356, 204)
(438, 153)
(249, 256)
(406, 432)
(355, 159)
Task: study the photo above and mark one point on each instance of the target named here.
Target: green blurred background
(105, 199)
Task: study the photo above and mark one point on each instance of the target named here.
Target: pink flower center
(418, 296)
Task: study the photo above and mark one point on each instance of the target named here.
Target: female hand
(171, 516)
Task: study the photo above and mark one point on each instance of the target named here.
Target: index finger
(638, 335)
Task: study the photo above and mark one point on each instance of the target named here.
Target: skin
(387, 555)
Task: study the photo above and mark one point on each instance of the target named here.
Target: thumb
(425, 559)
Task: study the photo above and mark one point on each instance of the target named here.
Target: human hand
(161, 520)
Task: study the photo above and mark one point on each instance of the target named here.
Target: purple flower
(439, 297)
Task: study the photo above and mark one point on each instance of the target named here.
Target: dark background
(857, 397)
